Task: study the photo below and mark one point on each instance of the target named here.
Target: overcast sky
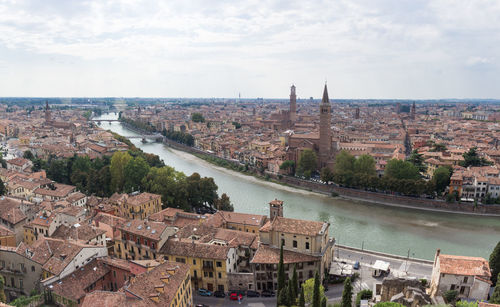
(363, 48)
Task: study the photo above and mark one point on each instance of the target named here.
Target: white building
(469, 276)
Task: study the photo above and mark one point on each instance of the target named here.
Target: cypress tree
(347, 293)
(281, 273)
(495, 297)
(3, 298)
(2, 188)
(495, 263)
(316, 301)
(302, 300)
(283, 297)
(295, 282)
(291, 293)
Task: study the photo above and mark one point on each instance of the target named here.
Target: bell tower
(47, 112)
(325, 132)
(275, 208)
(293, 106)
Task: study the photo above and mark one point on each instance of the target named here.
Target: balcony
(13, 271)
(208, 268)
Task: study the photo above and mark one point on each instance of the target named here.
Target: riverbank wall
(358, 194)
(394, 200)
(386, 255)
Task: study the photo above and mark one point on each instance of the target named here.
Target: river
(375, 227)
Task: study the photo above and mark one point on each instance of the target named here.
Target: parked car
(235, 296)
(356, 265)
(204, 292)
(251, 293)
(267, 293)
(219, 294)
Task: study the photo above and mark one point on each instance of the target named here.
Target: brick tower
(412, 112)
(47, 112)
(293, 106)
(325, 132)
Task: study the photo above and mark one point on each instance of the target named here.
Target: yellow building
(141, 240)
(29, 234)
(138, 206)
(209, 263)
(7, 237)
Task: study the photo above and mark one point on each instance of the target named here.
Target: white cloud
(366, 48)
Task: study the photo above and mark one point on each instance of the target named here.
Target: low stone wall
(396, 200)
(240, 281)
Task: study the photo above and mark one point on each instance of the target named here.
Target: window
(32, 268)
(294, 243)
(210, 274)
(219, 264)
(114, 274)
(21, 283)
(465, 279)
(205, 274)
(194, 261)
(181, 260)
(219, 275)
(307, 245)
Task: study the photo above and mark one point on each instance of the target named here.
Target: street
(334, 294)
(398, 267)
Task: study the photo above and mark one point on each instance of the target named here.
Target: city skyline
(365, 49)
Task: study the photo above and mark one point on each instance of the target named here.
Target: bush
(363, 295)
(335, 194)
(423, 281)
(450, 296)
(354, 277)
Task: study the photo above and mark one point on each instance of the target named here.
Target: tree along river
(359, 224)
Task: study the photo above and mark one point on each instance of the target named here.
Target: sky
(407, 49)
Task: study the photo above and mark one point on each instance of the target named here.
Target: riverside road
(408, 268)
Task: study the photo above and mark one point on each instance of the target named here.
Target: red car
(235, 296)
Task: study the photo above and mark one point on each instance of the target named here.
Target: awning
(381, 265)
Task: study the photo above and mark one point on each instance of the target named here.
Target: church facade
(320, 142)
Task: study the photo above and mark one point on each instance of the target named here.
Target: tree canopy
(400, 169)
(495, 263)
(417, 159)
(308, 163)
(471, 158)
(308, 287)
(197, 118)
(441, 178)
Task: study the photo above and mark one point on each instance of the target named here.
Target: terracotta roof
(18, 161)
(196, 250)
(5, 232)
(169, 276)
(288, 225)
(150, 230)
(269, 255)
(84, 233)
(464, 265)
(206, 234)
(61, 190)
(73, 286)
(484, 304)
(137, 200)
(242, 218)
(110, 299)
(9, 210)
